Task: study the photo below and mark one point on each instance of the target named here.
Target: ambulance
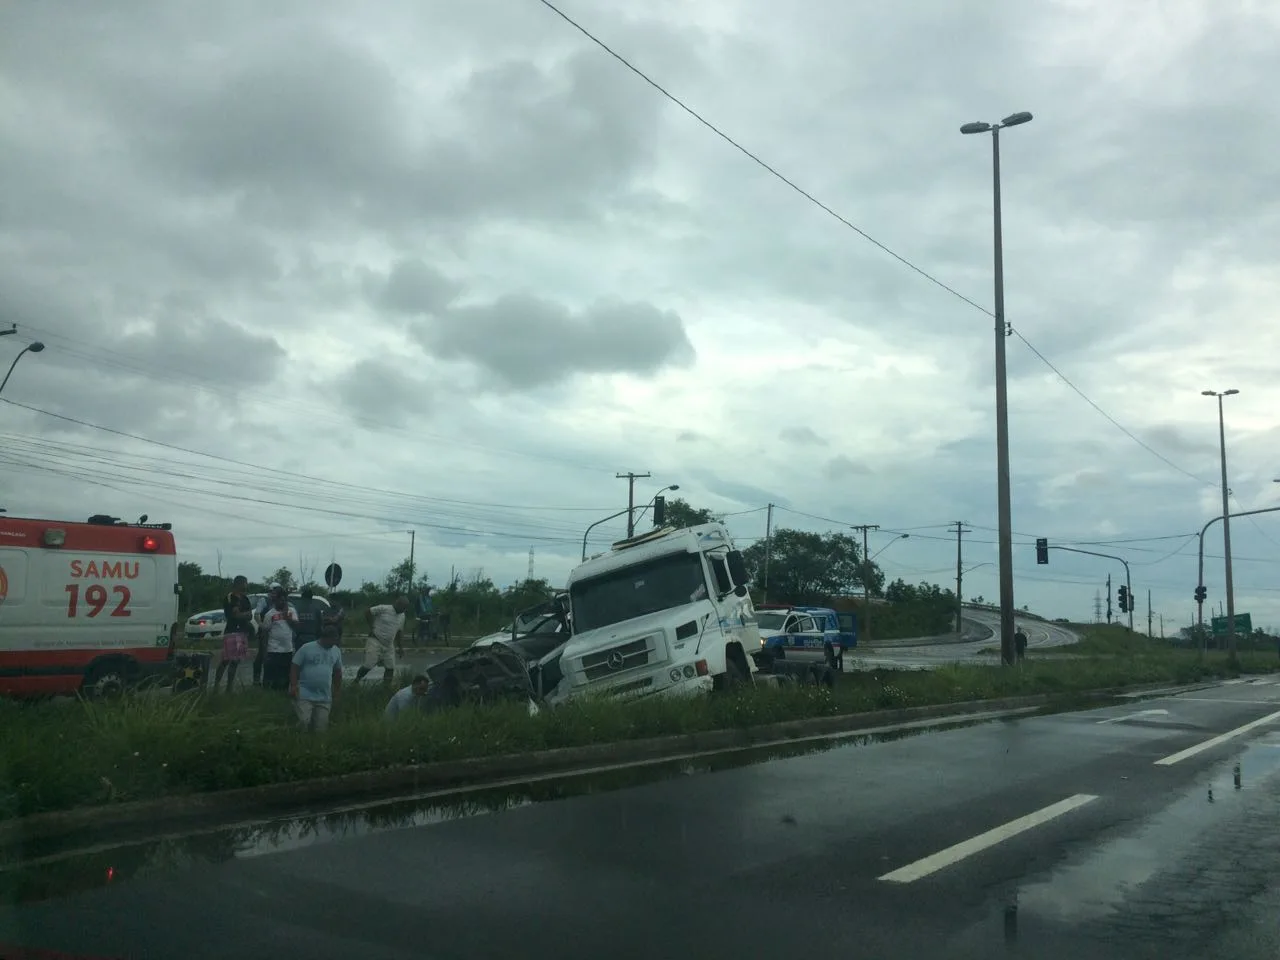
(85, 607)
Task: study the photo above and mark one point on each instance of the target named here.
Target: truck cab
(665, 612)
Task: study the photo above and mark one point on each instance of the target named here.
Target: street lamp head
(674, 486)
(1208, 393)
(904, 536)
(977, 127)
(35, 346)
(1013, 119)
(1229, 393)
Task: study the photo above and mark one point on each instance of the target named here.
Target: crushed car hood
(494, 672)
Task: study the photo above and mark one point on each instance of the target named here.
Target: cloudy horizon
(453, 267)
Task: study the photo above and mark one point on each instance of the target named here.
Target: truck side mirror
(738, 568)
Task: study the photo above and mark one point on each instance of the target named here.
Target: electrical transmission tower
(1097, 606)
(530, 577)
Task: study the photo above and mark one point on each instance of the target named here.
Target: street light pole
(1004, 507)
(631, 515)
(1226, 521)
(901, 536)
(34, 347)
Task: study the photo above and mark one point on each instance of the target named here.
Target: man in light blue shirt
(315, 679)
(411, 697)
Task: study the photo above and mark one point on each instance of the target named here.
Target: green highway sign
(1244, 625)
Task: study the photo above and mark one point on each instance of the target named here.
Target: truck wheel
(106, 681)
(733, 678)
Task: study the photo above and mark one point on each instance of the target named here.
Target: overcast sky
(451, 266)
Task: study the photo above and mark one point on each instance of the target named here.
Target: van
(86, 607)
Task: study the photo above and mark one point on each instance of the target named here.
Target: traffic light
(1122, 597)
(1042, 550)
(1201, 593)
(659, 511)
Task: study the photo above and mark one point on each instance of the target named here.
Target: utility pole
(1162, 626)
(866, 570)
(768, 546)
(1108, 599)
(631, 479)
(960, 531)
(413, 536)
(1148, 614)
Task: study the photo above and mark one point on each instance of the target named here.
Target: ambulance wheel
(106, 681)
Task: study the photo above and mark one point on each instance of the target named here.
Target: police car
(803, 632)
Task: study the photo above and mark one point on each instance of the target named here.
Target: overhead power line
(825, 208)
(259, 468)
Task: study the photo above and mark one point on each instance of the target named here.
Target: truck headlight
(675, 674)
(689, 672)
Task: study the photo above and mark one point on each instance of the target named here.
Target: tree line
(818, 569)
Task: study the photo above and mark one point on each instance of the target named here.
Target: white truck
(664, 612)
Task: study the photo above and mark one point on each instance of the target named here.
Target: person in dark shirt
(237, 611)
(311, 618)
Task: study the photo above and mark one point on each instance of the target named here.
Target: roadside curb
(475, 773)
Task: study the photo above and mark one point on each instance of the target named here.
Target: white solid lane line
(1213, 742)
(967, 848)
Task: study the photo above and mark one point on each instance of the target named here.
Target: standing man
(315, 680)
(423, 612)
(274, 592)
(279, 624)
(311, 617)
(386, 632)
(1020, 644)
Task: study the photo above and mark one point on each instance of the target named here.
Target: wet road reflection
(42, 870)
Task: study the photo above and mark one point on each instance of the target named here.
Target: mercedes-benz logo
(615, 660)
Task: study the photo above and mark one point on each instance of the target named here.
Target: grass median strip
(59, 755)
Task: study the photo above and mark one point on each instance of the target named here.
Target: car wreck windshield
(661, 584)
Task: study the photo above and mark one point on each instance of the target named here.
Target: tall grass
(58, 755)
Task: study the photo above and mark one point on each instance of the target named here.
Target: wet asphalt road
(982, 629)
(821, 855)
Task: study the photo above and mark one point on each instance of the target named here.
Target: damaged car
(520, 664)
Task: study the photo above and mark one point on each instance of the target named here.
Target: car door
(848, 628)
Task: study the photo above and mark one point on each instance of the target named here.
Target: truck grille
(608, 663)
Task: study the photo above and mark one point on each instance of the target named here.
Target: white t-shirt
(279, 633)
(386, 622)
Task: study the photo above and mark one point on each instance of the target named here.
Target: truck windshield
(670, 581)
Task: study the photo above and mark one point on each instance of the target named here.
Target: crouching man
(409, 699)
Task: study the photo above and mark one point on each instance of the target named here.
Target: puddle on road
(43, 870)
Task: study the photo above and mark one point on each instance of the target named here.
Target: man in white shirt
(408, 699)
(279, 623)
(386, 631)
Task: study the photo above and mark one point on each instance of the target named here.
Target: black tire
(106, 680)
(734, 677)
